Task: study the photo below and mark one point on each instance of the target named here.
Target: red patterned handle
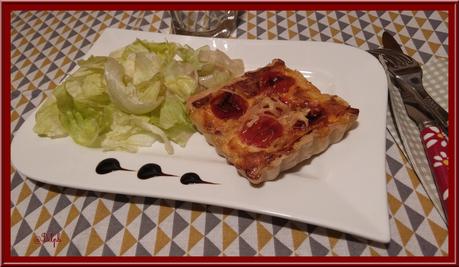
(436, 147)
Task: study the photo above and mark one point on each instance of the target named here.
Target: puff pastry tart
(269, 120)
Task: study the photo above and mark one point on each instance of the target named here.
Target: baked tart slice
(269, 120)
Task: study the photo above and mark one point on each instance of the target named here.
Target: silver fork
(407, 72)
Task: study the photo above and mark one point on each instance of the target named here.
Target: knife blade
(412, 76)
(434, 141)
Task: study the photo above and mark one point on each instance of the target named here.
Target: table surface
(46, 45)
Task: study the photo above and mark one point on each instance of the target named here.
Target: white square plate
(343, 188)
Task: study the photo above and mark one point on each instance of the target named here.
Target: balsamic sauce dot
(150, 170)
(108, 165)
(192, 178)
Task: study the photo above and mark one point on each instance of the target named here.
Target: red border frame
(8, 7)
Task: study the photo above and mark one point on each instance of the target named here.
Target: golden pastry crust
(269, 120)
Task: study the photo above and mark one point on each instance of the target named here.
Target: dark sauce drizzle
(151, 170)
(109, 165)
(147, 171)
(192, 178)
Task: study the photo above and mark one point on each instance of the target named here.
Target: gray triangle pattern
(244, 221)
(140, 251)
(435, 23)
(281, 249)
(317, 249)
(163, 25)
(260, 31)
(302, 37)
(240, 32)
(176, 250)
(393, 248)
(43, 251)
(363, 23)
(24, 82)
(29, 107)
(211, 222)
(405, 18)
(36, 92)
(280, 29)
(412, 30)
(23, 232)
(120, 200)
(324, 37)
(442, 36)
(73, 250)
(62, 203)
(16, 180)
(299, 17)
(403, 190)
(33, 68)
(19, 122)
(425, 57)
(81, 225)
(245, 249)
(210, 249)
(107, 251)
(355, 246)
(394, 166)
(114, 227)
(415, 218)
(34, 203)
(389, 144)
(54, 227)
(427, 248)
(146, 225)
(15, 93)
(143, 23)
(301, 29)
(179, 225)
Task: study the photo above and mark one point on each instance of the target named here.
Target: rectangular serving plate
(343, 188)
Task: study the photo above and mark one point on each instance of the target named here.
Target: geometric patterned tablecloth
(45, 45)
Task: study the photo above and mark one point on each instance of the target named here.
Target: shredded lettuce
(134, 97)
(173, 119)
(84, 122)
(129, 132)
(126, 95)
(47, 120)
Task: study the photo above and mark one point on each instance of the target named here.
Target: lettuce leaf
(127, 96)
(47, 120)
(173, 119)
(129, 132)
(83, 122)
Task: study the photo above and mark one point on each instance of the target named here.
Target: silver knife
(409, 73)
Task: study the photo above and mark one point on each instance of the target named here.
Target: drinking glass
(210, 23)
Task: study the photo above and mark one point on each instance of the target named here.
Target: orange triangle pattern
(94, 242)
(162, 239)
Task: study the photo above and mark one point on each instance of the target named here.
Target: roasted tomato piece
(228, 106)
(262, 133)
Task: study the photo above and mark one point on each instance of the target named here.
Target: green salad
(133, 97)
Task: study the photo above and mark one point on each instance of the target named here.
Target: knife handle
(436, 147)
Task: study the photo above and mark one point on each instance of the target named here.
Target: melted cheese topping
(264, 115)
